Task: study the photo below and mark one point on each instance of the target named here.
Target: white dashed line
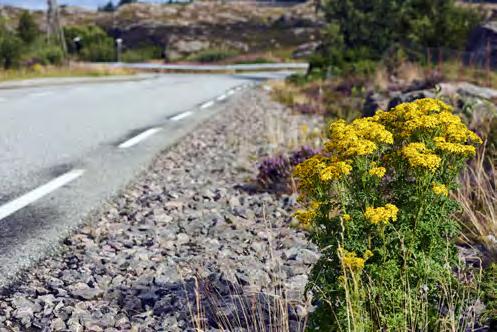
(230, 92)
(222, 97)
(34, 195)
(207, 104)
(41, 94)
(181, 116)
(138, 138)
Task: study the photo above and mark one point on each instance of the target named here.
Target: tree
(126, 2)
(10, 48)
(27, 29)
(109, 7)
(367, 29)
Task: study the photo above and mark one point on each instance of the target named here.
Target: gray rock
(85, 292)
(58, 325)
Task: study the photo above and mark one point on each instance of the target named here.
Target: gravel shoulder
(185, 235)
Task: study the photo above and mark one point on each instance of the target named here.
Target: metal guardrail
(212, 68)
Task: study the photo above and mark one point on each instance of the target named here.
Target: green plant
(350, 38)
(143, 53)
(489, 289)
(378, 206)
(10, 49)
(95, 44)
(27, 29)
(48, 55)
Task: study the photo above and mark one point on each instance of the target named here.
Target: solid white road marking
(34, 195)
(138, 138)
(181, 116)
(207, 104)
(221, 97)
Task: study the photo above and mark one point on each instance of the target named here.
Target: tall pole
(54, 29)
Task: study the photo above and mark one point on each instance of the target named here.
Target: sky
(41, 4)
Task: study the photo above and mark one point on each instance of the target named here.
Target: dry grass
(410, 72)
(248, 308)
(62, 71)
(478, 198)
(381, 79)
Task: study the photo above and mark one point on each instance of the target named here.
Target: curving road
(68, 145)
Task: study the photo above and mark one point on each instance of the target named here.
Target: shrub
(141, 54)
(350, 38)
(275, 172)
(489, 289)
(96, 45)
(377, 205)
(27, 28)
(10, 50)
(48, 55)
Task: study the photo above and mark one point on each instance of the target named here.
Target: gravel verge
(186, 245)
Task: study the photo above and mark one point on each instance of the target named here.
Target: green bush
(378, 206)
(141, 54)
(49, 55)
(96, 45)
(213, 55)
(363, 30)
(10, 49)
(27, 29)
(489, 289)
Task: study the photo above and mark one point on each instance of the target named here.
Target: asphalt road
(66, 148)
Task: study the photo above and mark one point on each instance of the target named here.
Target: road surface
(66, 148)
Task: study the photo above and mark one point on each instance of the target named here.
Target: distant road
(65, 148)
(214, 68)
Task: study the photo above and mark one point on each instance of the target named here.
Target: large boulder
(482, 45)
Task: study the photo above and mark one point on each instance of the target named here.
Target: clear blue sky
(41, 4)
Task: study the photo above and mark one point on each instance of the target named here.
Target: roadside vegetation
(401, 202)
(26, 53)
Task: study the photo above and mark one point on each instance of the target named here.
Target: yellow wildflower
(368, 254)
(378, 171)
(351, 261)
(359, 138)
(335, 171)
(346, 217)
(455, 148)
(306, 217)
(420, 156)
(381, 214)
(440, 189)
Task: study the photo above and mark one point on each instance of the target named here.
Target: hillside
(186, 29)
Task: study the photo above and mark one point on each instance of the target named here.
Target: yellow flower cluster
(419, 156)
(378, 171)
(382, 214)
(454, 148)
(306, 217)
(335, 171)
(352, 261)
(346, 217)
(359, 138)
(307, 170)
(440, 189)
